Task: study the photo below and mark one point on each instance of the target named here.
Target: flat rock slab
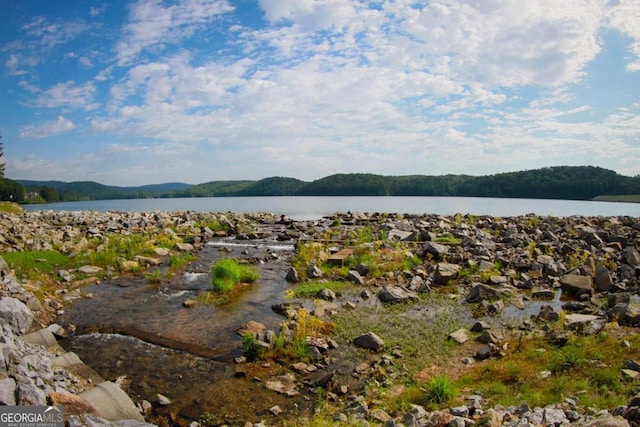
(339, 257)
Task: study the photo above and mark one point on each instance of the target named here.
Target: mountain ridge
(557, 182)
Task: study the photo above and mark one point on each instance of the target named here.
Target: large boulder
(16, 315)
(576, 285)
(445, 272)
(370, 341)
(394, 294)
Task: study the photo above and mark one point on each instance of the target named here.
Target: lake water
(311, 208)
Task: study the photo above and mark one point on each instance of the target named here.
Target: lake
(313, 207)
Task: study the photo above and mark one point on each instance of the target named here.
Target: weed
(179, 261)
(154, 276)
(227, 273)
(439, 390)
(310, 289)
(10, 207)
(250, 347)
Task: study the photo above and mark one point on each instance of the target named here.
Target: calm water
(310, 208)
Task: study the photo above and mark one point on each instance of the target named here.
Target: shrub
(227, 273)
(440, 390)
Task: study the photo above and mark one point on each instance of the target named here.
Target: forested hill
(561, 182)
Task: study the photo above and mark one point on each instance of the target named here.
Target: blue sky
(150, 91)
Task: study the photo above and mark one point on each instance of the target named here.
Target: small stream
(142, 331)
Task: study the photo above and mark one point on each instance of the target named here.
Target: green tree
(49, 194)
(11, 191)
(2, 164)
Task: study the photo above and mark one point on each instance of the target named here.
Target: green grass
(439, 391)
(179, 261)
(228, 272)
(10, 207)
(429, 320)
(588, 367)
(310, 289)
(39, 266)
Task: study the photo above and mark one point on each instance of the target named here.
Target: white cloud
(67, 95)
(151, 24)
(47, 129)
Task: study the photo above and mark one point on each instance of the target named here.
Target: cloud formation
(308, 88)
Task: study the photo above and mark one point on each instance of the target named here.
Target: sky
(140, 92)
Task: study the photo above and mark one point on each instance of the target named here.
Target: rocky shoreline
(594, 260)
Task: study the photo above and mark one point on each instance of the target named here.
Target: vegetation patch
(228, 272)
(10, 207)
(311, 288)
(588, 368)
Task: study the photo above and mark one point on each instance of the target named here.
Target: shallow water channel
(142, 331)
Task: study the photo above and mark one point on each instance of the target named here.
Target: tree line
(560, 182)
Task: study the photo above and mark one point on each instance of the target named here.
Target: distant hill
(89, 190)
(561, 182)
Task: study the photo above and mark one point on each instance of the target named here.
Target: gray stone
(7, 392)
(355, 277)
(292, 276)
(459, 336)
(576, 285)
(445, 272)
(314, 272)
(548, 314)
(369, 341)
(111, 402)
(603, 280)
(480, 292)
(632, 257)
(16, 314)
(326, 294)
(436, 250)
(395, 294)
(484, 352)
(586, 324)
(89, 269)
(625, 314)
(553, 417)
(30, 394)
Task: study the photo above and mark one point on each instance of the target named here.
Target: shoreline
(535, 254)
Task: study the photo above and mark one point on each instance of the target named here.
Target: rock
(484, 352)
(7, 392)
(292, 276)
(459, 336)
(111, 402)
(553, 416)
(369, 341)
(608, 422)
(395, 294)
(15, 314)
(326, 294)
(183, 247)
(30, 394)
(89, 269)
(314, 272)
(436, 250)
(585, 324)
(548, 314)
(480, 292)
(163, 400)
(445, 272)
(603, 280)
(355, 277)
(73, 404)
(632, 257)
(576, 285)
(491, 418)
(491, 337)
(252, 327)
(283, 384)
(625, 314)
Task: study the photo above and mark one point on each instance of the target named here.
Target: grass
(310, 289)
(10, 207)
(439, 391)
(176, 262)
(409, 326)
(39, 267)
(587, 367)
(228, 272)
